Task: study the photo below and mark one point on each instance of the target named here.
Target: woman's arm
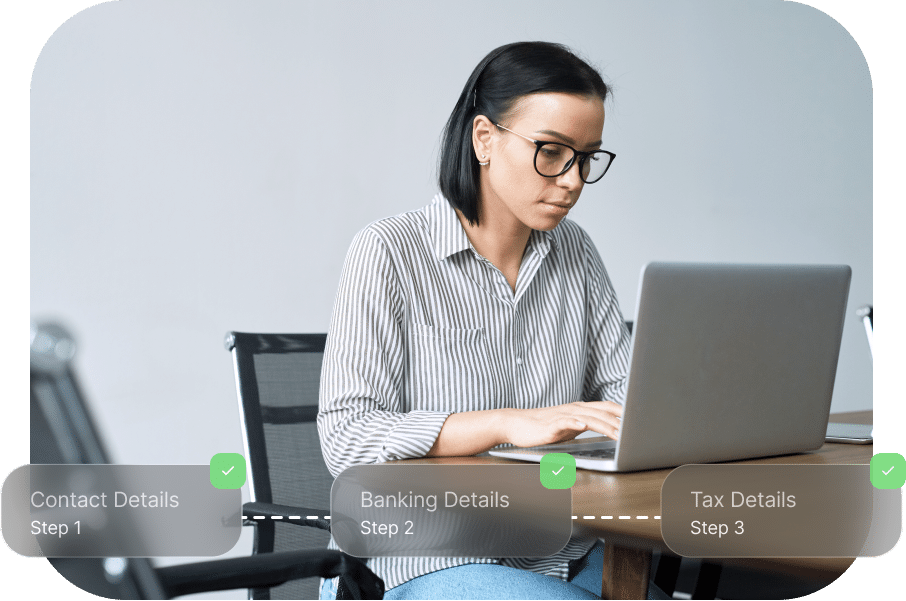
(607, 367)
(361, 419)
(475, 432)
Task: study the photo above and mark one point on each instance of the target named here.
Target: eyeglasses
(553, 159)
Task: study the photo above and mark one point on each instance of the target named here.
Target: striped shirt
(424, 326)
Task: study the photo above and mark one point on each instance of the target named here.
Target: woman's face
(513, 193)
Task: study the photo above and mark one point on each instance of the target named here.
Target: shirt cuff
(414, 435)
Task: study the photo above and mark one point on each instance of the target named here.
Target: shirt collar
(449, 238)
(542, 241)
(445, 230)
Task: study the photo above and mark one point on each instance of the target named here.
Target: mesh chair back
(277, 379)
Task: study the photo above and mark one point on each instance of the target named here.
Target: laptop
(727, 362)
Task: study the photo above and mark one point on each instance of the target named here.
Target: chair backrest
(277, 381)
(63, 431)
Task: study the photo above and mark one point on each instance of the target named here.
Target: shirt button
(518, 360)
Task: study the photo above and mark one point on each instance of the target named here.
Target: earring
(485, 163)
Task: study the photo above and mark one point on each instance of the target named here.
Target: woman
(484, 318)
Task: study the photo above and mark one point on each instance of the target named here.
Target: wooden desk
(629, 543)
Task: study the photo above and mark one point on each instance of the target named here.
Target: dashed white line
(327, 517)
(622, 517)
(283, 517)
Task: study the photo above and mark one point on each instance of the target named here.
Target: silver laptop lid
(731, 361)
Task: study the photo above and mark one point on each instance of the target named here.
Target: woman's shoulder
(404, 221)
(401, 224)
(396, 230)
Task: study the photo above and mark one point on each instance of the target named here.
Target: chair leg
(708, 579)
(667, 572)
(345, 591)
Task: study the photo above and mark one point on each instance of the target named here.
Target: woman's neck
(500, 241)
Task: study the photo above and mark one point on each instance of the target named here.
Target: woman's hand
(474, 432)
(546, 425)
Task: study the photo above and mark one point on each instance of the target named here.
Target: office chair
(277, 379)
(63, 431)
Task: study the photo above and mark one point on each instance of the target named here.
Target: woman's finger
(607, 428)
(589, 413)
(608, 406)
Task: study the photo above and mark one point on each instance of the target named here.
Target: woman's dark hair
(504, 76)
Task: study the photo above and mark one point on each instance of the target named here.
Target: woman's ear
(482, 135)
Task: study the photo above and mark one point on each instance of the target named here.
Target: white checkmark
(559, 470)
(228, 471)
(888, 471)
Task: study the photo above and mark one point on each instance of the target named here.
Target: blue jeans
(491, 581)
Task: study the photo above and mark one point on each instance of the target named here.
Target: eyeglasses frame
(581, 155)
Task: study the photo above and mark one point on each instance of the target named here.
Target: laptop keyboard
(598, 454)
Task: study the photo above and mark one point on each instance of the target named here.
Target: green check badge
(558, 470)
(887, 470)
(227, 470)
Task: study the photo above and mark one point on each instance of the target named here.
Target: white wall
(202, 166)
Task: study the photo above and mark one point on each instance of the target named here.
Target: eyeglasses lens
(553, 159)
(594, 166)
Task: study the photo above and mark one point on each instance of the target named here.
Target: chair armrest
(286, 513)
(270, 569)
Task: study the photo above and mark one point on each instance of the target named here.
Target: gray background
(202, 166)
